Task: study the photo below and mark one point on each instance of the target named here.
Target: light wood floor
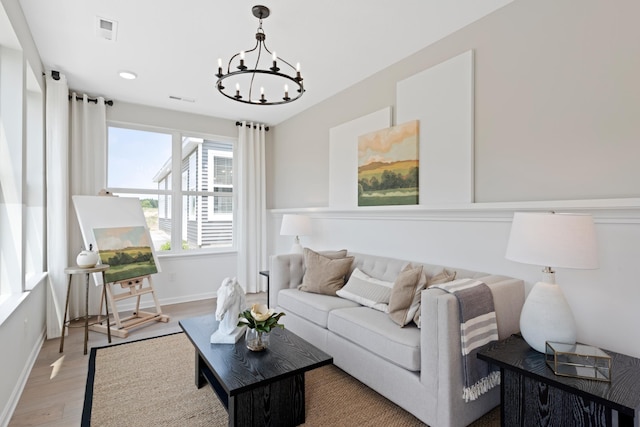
(54, 393)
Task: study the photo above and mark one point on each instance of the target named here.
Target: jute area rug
(151, 383)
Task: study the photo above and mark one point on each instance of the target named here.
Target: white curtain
(88, 145)
(57, 154)
(251, 206)
(76, 154)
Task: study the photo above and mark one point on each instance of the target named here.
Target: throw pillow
(367, 291)
(334, 254)
(405, 295)
(443, 277)
(324, 275)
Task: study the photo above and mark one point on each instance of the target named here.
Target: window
(146, 163)
(220, 181)
(22, 180)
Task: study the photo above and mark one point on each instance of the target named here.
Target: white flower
(261, 312)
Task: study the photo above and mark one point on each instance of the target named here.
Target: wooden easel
(134, 288)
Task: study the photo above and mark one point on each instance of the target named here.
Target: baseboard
(166, 301)
(10, 407)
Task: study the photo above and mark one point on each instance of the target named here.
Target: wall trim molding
(613, 211)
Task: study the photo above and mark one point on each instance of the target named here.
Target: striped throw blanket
(478, 327)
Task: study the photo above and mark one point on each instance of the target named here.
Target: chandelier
(255, 77)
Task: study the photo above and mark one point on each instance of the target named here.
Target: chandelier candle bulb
(238, 91)
(286, 92)
(219, 68)
(262, 95)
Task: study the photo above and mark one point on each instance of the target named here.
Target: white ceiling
(174, 46)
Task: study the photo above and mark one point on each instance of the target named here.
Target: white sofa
(420, 369)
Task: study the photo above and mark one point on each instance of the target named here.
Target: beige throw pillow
(334, 254)
(324, 275)
(405, 295)
(443, 277)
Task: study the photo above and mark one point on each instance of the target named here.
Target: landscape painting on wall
(388, 166)
(127, 250)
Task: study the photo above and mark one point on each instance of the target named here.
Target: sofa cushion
(367, 291)
(313, 307)
(405, 295)
(376, 332)
(324, 275)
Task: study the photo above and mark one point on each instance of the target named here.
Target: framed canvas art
(388, 166)
(127, 250)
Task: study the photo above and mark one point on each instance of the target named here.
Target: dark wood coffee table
(258, 389)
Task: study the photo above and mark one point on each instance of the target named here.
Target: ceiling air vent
(179, 98)
(106, 28)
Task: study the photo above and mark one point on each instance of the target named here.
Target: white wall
(604, 301)
(21, 334)
(556, 106)
(187, 278)
(556, 103)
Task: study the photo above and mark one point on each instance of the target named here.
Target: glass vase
(256, 340)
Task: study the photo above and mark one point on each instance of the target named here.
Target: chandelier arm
(259, 45)
(279, 58)
(221, 88)
(238, 54)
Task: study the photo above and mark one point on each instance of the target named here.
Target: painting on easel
(127, 250)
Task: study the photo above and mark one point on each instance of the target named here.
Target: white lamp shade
(553, 240)
(295, 225)
(550, 240)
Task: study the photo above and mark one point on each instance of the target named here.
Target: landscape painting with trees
(127, 250)
(388, 166)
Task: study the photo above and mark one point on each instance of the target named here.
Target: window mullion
(176, 191)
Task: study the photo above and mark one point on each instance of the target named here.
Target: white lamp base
(546, 316)
(297, 247)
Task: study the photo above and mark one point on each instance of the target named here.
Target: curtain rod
(55, 75)
(266, 128)
(94, 100)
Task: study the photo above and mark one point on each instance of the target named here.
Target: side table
(87, 272)
(532, 395)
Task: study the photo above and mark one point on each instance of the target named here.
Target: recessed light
(128, 75)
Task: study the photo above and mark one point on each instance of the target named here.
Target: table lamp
(295, 225)
(550, 240)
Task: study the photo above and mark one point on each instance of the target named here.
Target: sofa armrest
(441, 363)
(285, 271)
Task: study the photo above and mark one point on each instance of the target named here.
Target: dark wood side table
(532, 395)
(87, 272)
(265, 273)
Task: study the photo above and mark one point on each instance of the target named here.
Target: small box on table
(579, 361)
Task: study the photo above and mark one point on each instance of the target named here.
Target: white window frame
(176, 192)
(212, 216)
